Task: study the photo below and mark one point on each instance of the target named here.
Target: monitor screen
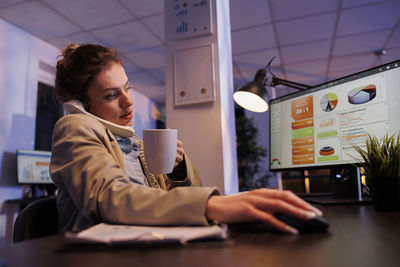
(33, 167)
(318, 127)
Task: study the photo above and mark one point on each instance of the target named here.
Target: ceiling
(313, 40)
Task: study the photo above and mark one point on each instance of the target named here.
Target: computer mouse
(318, 224)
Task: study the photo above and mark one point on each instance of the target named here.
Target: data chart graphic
(329, 102)
(362, 94)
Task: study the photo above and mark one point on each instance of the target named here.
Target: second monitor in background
(33, 172)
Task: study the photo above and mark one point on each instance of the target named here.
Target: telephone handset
(75, 106)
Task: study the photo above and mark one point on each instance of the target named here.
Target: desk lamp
(253, 96)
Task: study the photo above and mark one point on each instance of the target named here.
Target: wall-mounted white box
(194, 80)
(190, 18)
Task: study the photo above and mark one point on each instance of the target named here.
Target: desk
(358, 236)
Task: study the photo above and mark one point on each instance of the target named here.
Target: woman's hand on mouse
(260, 205)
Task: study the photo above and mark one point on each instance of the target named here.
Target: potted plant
(381, 162)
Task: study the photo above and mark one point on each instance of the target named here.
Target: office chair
(38, 219)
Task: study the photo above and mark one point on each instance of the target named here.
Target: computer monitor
(317, 127)
(33, 167)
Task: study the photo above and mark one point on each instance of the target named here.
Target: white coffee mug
(160, 146)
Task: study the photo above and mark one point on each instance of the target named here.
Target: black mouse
(318, 224)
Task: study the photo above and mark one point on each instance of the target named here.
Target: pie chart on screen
(329, 102)
(362, 94)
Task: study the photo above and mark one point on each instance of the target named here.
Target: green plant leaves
(380, 158)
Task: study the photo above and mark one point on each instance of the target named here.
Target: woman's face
(109, 96)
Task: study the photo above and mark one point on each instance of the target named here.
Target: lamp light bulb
(250, 101)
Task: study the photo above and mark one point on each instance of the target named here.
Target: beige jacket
(87, 166)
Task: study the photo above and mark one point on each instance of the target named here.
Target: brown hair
(79, 65)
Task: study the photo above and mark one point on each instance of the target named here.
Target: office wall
(20, 54)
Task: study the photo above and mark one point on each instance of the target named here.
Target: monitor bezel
(341, 80)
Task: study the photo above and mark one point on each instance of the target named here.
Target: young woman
(98, 165)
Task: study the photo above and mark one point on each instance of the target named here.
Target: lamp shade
(253, 95)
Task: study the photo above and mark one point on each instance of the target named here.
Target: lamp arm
(299, 86)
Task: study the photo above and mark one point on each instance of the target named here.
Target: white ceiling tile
(237, 74)
(245, 14)
(91, 14)
(159, 73)
(353, 3)
(127, 37)
(306, 29)
(38, 19)
(247, 72)
(310, 73)
(305, 36)
(237, 83)
(129, 66)
(248, 64)
(149, 58)
(345, 71)
(369, 18)
(392, 54)
(78, 38)
(333, 75)
(286, 9)
(258, 59)
(142, 79)
(318, 80)
(144, 8)
(304, 52)
(360, 43)
(356, 62)
(369, 62)
(261, 37)
(156, 24)
(5, 3)
(282, 90)
(394, 42)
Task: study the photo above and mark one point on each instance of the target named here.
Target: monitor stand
(346, 189)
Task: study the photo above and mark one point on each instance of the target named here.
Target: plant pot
(385, 192)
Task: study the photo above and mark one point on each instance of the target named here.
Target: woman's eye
(112, 96)
(127, 88)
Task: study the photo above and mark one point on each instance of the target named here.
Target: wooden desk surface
(358, 236)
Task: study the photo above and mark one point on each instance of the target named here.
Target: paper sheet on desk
(127, 234)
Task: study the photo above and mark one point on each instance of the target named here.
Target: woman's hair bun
(71, 48)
